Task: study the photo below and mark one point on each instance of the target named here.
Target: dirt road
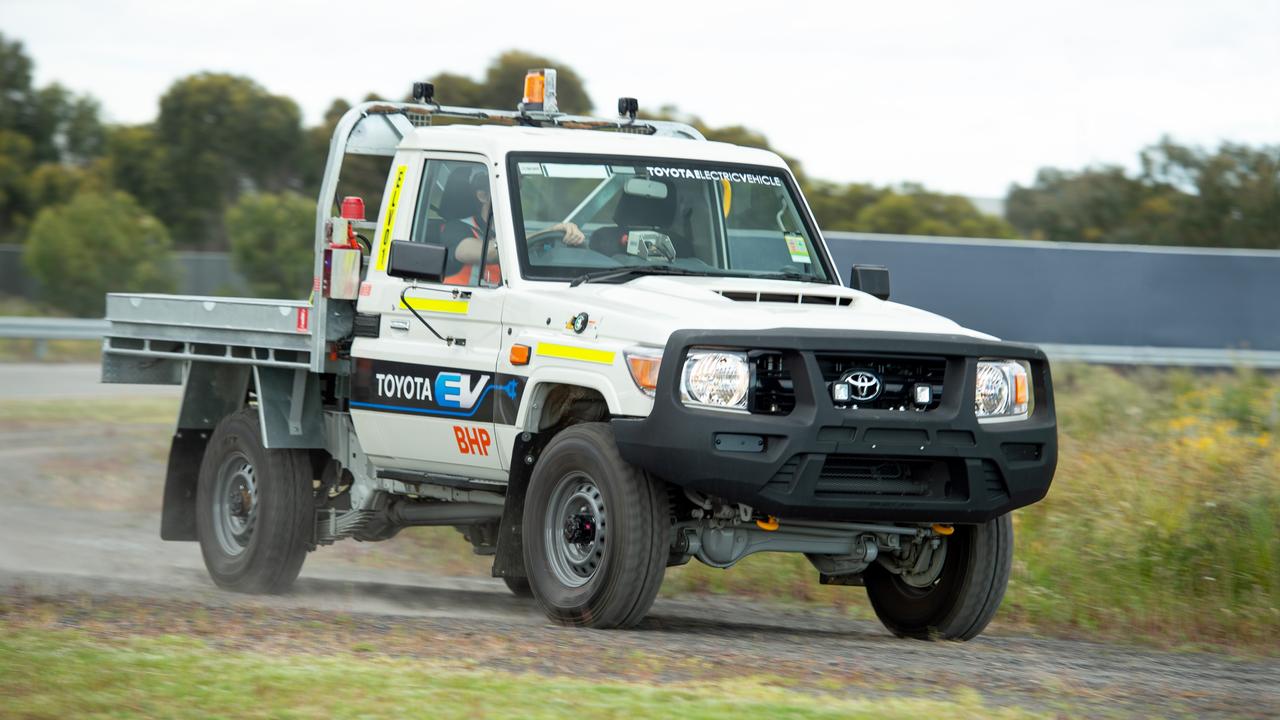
(79, 528)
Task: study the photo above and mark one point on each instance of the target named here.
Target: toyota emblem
(864, 385)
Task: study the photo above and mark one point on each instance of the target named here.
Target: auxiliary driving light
(922, 395)
(841, 392)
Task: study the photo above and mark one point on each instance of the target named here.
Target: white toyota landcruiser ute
(599, 348)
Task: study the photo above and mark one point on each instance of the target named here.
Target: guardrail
(1163, 356)
(44, 329)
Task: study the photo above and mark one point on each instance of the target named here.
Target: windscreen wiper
(634, 270)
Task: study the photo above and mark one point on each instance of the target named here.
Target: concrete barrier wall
(1082, 294)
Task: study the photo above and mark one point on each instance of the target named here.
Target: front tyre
(595, 532)
(254, 508)
(964, 597)
(518, 586)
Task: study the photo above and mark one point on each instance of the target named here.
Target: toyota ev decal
(427, 390)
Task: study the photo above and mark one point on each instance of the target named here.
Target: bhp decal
(472, 441)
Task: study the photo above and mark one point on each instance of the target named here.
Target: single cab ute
(599, 348)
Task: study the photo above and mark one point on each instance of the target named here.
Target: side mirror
(870, 279)
(417, 261)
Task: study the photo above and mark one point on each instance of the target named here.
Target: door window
(454, 209)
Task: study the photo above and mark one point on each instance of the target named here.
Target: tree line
(227, 165)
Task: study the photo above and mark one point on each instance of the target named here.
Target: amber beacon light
(540, 91)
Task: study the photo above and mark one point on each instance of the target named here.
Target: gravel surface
(79, 547)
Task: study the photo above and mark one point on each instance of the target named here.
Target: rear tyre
(518, 586)
(254, 508)
(595, 532)
(965, 596)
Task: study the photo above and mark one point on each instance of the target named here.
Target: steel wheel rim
(235, 504)
(575, 530)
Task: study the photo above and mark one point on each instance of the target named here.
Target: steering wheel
(541, 246)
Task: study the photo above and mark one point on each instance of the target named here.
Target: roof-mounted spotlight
(628, 107)
(424, 92)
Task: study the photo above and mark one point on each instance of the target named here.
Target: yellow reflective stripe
(384, 242)
(455, 307)
(573, 352)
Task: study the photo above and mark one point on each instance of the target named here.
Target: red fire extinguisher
(352, 212)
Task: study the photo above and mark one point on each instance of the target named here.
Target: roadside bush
(94, 244)
(271, 239)
(1163, 520)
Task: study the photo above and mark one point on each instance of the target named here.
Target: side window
(453, 210)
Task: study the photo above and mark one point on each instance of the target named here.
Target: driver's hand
(573, 236)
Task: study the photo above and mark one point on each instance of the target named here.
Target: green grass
(56, 351)
(117, 411)
(69, 673)
(1164, 518)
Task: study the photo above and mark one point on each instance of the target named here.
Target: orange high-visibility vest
(492, 272)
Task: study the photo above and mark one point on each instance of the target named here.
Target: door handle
(401, 325)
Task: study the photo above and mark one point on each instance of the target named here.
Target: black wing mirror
(417, 261)
(870, 279)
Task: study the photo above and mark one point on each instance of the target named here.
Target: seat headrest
(459, 199)
(642, 211)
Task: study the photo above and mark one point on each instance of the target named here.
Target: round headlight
(1002, 389)
(715, 378)
(992, 397)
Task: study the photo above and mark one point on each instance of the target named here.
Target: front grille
(773, 393)
(855, 475)
(898, 375)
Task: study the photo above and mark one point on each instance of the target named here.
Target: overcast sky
(965, 97)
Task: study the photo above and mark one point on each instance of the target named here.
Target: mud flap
(178, 519)
(211, 392)
(508, 561)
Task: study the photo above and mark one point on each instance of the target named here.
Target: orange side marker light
(644, 370)
(520, 354)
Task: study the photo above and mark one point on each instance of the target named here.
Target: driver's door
(417, 402)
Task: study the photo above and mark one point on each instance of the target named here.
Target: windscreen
(577, 214)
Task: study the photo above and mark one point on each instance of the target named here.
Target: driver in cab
(463, 233)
